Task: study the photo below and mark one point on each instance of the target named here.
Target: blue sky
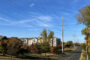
(27, 18)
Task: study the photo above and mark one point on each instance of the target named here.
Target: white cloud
(31, 22)
(8, 22)
(45, 18)
(34, 20)
(32, 4)
(3, 19)
(45, 25)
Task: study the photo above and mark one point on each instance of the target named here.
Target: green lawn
(34, 56)
(11, 58)
(27, 57)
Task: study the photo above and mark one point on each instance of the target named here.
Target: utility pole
(62, 38)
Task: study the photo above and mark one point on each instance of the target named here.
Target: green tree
(69, 44)
(84, 16)
(47, 37)
(86, 31)
(13, 45)
(4, 45)
(83, 45)
(44, 35)
(50, 36)
(34, 48)
(45, 46)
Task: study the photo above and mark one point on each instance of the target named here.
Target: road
(74, 55)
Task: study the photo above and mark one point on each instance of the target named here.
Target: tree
(4, 45)
(13, 45)
(84, 16)
(47, 37)
(86, 31)
(50, 36)
(44, 35)
(83, 45)
(69, 44)
(34, 48)
(45, 46)
(23, 49)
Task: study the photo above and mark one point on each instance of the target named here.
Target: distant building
(55, 42)
(30, 41)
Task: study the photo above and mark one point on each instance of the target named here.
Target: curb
(81, 56)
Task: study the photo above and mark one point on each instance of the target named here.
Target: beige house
(30, 41)
(55, 42)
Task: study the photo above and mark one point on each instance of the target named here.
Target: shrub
(83, 46)
(52, 49)
(69, 44)
(34, 48)
(44, 47)
(56, 49)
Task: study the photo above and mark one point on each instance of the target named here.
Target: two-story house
(30, 41)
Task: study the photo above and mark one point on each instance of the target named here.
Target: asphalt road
(74, 55)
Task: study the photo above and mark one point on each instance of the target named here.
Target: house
(55, 42)
(30, 41)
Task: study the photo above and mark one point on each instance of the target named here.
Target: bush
(22, 51)
(44, 47)
(52, 49)
(34, 48)
(56, 49)
(83, 46)
(69, 44)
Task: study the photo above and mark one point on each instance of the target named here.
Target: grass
(25, 57)
(11, 58)
(84, 56)
(34, 56)
(30, 57)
